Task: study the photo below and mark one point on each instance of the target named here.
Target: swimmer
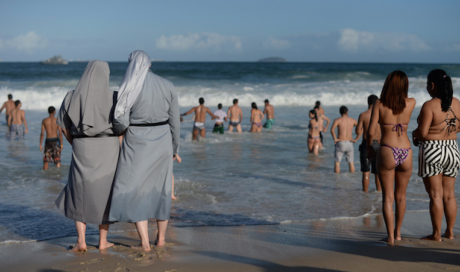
(368, 160)
(200, 119)
(313, 139)
(344, 141)
(270, 112)
(236, 117)
(8, 106)
(321, 118)
(53, 143)
(219, 122)
(16, 119)
(256, 118)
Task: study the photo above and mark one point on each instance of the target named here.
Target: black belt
(150, 124)
(95, 136)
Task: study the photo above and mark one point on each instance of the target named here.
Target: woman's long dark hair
(444, 90)
(254, 105)
(315, 114)
(394, 92)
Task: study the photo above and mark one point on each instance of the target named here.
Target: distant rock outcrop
(272, 59)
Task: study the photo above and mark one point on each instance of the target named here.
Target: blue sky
(199, 30)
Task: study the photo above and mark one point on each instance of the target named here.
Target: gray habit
(86, 197)
(142, 186)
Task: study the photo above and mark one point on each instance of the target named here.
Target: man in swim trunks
(219, 122)
(368, 159)
(200, 119)
(236, 117)
(270, 112)
(53, 143)
(344, 141)
(8, 106)
(16, 119)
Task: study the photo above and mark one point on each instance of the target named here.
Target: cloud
(277, 44)
(199, 41)
(353, 41)
(28, 42)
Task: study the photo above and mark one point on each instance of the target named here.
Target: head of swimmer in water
(439, 85)
(10, 96)
(343, 110)
(51, 110)
(318, 104)
(17, 103)
(254, 105)
(394, 91)
(371, 100)
(219, 106)
(266, 102)
(201, 100)
(235, 101)
(313, 114)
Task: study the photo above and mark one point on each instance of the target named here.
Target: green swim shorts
(269, 123)
(218, 128)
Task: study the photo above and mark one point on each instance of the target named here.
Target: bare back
(234, 113)
(364, 121)
(270, 111)
(438, 124)
(8, 106)
(200, 113)
(394, 127)
(256, 115)
(51, 127)
(17, 116)
(345, 125)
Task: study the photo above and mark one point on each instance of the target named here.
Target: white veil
(131, 85)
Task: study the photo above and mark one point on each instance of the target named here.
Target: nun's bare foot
(145, 248)
(432, 237)
(79, 247)
(105, 245)
(449, 234)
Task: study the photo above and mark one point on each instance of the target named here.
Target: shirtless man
(200, 118)
(236, 117)
(321, 119)
(344, 143)
(15, 120)
(368, 160)
(53, 144)
(8, 106)
(270, 112)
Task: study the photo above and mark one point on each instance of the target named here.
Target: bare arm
(190, 111)
(241, 115)
(334, 125)
(265, 111)
(23, 113)
(261, 115)
(355, 123)
(68, 136)
(359, 127)
(327, 122)
(42, 135)
(424, 122)
(4, 106)
(212, 114)
(373, 123)
(9, 120)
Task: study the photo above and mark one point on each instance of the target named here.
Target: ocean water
(230, 179)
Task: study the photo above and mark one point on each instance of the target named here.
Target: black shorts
(366, 164)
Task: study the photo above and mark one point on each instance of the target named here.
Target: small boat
(56, 60)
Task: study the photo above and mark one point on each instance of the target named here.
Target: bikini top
(397, 127)
(309, 126)
(451, 124)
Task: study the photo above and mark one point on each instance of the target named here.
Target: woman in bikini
(439, 158)
(394, 159)
(313, 139)
(256, 118)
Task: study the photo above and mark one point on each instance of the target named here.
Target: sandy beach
(319, 245)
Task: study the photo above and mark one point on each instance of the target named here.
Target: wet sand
(320, 245)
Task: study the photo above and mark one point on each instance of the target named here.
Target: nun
(147, 112)
(86, 118)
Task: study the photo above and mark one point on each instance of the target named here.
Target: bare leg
(378, 186)
(385, 163)
(143, 231)
(433, 185)
(238, 128)
(253, 129)
(172, 192)
(195, 134)
(103, 243)
(450, 205)
(162, 226)
(365, 181)
(58, 164)
(230, 128)
(203, 133)
(81, 242)
(45, 166)
(352, 167)
(402, 176)
(337, 167)
(310, 143)
(316, 147)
